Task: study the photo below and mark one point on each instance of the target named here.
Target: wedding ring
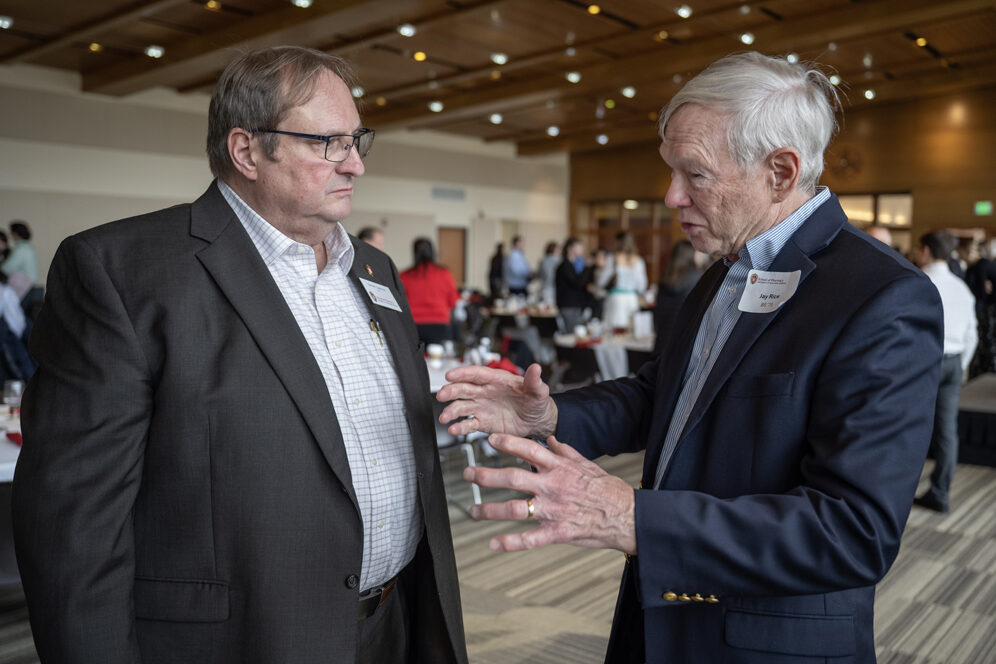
(531, 508)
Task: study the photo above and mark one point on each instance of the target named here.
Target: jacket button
(698, 598)
(712, 599)
(684, 598)
(669, 596)
(352, 581)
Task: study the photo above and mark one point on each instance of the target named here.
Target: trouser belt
(371, 598)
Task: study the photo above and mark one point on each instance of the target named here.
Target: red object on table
(506, 364)
(14, 436)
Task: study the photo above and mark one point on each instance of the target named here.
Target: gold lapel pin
(370, 270)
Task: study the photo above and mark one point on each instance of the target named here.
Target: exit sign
(983, 208)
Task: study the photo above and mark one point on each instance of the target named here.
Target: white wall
(72, 160)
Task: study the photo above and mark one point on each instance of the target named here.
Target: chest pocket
(765, 385)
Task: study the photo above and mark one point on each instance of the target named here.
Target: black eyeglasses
(337, 145)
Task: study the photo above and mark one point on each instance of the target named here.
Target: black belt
(371, 598)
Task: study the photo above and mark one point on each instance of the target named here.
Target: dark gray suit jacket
(183, 494)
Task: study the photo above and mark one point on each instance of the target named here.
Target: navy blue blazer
(786, 497)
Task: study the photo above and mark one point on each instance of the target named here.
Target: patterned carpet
(553, 606)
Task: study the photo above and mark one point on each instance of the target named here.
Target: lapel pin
(370, 270)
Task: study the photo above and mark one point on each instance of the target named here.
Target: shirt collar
(272, 244)
(760, 251)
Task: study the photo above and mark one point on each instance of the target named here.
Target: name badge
(380, 295)
(766, 291)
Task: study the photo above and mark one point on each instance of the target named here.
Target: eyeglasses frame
(355, 146)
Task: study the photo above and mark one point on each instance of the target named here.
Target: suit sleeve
(867, 430)
(85, 418)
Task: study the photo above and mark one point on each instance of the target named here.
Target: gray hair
(771, 103)
(256, 91)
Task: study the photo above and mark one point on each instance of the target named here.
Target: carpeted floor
(554, 605)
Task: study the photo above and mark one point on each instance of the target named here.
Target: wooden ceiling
(644, 44)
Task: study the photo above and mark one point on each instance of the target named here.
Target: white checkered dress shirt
(723, 314)
(360, 376)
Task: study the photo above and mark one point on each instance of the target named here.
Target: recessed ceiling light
(920, 41)
(6, 22)
(677, 79)
(419, 56)
(602, 139)
(570, 52)
(495, 118)
(834, 79)
(792, 58)
(630, 204)
(495, 75)
(628, 92)
(212, 5)
(357, 91)
(660, 36)
(869, 94)
(683, 11)
(832, 46)
(573, 76)
(553, 130)
(433, 85)
(381, 101)
(610, 104)
(594, 9)
(435, 106)
(303, 4)
(867, 60)
(154, 51)
(499, 58)
(406, 30)
(745, 9)
(747, 38)
(94, 47)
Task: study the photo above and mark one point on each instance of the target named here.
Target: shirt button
(356, 402)
(705, 352)
(338, 344)
(731, 290)
(380, 524)
(374, 462)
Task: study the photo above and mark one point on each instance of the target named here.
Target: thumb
(533, 380)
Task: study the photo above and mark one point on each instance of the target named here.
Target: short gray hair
(771, 103)
(256, 91)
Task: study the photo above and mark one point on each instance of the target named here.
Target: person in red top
(432, 294)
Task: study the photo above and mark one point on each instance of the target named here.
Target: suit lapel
(237, 269)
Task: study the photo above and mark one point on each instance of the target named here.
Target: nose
(352, 164)
(676, 196)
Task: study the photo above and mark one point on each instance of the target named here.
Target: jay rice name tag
(380, 295)
(766, 291)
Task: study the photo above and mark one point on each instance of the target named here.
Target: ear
(783, 172)
(240, 150)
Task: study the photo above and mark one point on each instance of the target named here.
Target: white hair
(771, 103)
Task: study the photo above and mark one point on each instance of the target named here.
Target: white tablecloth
(610, 352)
(8, 458)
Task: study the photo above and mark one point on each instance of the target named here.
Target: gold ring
(531, 508)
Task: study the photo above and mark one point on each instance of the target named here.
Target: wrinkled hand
(499, 402)
(574, 500)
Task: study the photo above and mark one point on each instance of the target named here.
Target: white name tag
(766, 291)
(380, 295)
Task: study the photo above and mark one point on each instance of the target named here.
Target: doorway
(452, 243)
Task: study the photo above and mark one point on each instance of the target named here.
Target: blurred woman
(496, 272)
(572, 279)
(629, 279)
(431, 292)
(547, 271)
(680, 276)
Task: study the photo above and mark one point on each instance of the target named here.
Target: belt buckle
(374, 598)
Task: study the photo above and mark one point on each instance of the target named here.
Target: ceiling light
(745, 9)
(792, 58)
(677, 79)
(433, 85)
(834, 79)
(550, 104)
(499, 58)
(630, 204)
(406, 30)
(495, 118)
(553, 130)
(920, 41)
(495, 75)
(154, 51)
(869, 94)
(381, 101)
(570, 52)
(495, 17)
(419, 56)
(357, 91)
(212, 5)
(867, 60)
(94, 47)
(602, 139)
(435, 106)
(304, 4)
(594, 9)
(747, 38)
(660, 36)
(628, 92)
(610, 104)
(573, 76)
(832, 46)
(569, 38)
(6, 22)
(683, 11)
(654, 117)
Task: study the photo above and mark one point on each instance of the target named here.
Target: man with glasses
(229, 455)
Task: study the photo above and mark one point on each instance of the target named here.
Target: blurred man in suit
(784, 425)
(228, 448)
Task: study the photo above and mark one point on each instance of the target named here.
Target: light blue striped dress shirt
(723, 314)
